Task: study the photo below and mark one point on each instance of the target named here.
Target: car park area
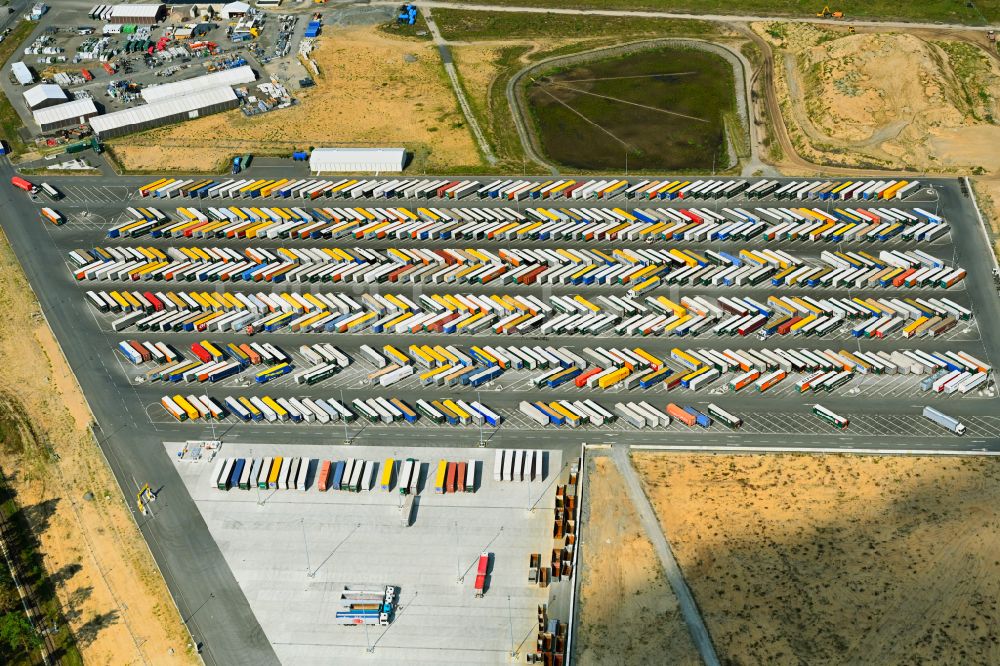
(328, 317)
(585, 297)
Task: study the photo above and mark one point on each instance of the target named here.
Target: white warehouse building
(70, 114)
(164, 112)
(338, 160)
(227, 77)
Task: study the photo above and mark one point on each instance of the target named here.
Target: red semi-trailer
(484, 563)
(22, 184)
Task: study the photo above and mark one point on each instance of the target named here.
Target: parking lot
(293, 551)
(93, 209)
(132, 424)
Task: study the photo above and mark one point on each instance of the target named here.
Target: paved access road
(639, 13)
(206, 593)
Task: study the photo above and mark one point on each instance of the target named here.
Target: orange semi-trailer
(681, 415)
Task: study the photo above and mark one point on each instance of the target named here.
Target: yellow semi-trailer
(146, 189)
(189, 409)
(613, 378)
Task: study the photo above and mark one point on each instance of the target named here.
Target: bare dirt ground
(836, 559)
(923, 101)
(367, 95)
(628, 613)
(110, 590)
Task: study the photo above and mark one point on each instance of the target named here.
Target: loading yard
(305, 546)
(620, 340)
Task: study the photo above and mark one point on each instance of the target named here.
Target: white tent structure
(339, 160)
(164, 112)
(235, 10)
(22, 74)
(68, 114)
(227, 77)
(43, 95)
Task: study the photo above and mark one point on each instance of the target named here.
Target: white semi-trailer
(945, 421)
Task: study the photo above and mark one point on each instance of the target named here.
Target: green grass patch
(465, 25)
(971, 88)
(42, 171)
(662, 109)
(10, 122)
(491, 109)
(946, 11)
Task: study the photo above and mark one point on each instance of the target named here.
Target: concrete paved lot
(293, 551)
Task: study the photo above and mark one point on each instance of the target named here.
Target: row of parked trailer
(638, 414)
(519, 465)
(328, 410)
(470, 314)
(503, 223)
(524, 189)
(303, 473)
(907, 361)
(763, 369)
(455, 477)
(641, 271)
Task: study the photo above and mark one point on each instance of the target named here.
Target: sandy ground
(837, 559)
(628, 613)
(114, 598)
(367, 95)
(889, 100)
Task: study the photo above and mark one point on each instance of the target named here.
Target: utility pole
(255, 483)
(510, 620)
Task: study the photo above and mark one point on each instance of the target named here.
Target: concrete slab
(293, 551)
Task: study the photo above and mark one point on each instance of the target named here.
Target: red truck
(22, 184)
(484, 563)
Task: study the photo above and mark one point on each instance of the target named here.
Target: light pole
(256, 484)
(309, 572)
(510, 620)
(347, 439)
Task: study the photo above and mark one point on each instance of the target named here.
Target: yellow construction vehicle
(850, 29)
(826, 13)
(145, 493)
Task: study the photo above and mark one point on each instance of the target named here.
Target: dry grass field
(114, 598)
(837, 559)
(628, 613)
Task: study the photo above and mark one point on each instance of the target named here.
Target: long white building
(337, 160)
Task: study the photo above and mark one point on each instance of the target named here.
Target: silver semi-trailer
(945, 421)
